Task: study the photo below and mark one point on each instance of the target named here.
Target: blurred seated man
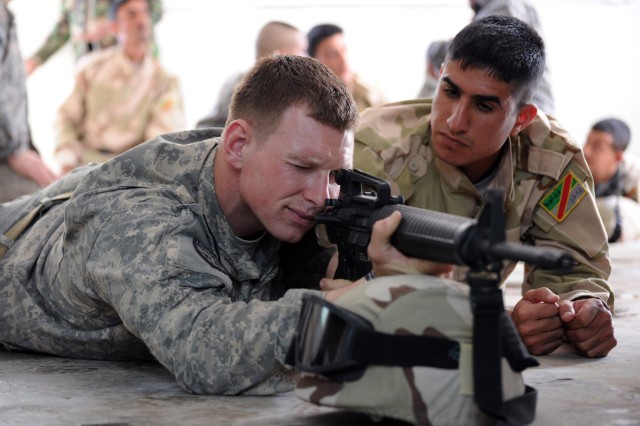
(327, 44)
(122, 95)
(616, 177)
(274, 37)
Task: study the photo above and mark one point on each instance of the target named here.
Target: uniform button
(414, 165)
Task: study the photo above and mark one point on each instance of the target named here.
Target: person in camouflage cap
(172, 250)
(481, 131)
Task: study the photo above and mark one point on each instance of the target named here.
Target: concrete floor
(44, 390)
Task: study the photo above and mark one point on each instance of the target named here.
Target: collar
(257, 264)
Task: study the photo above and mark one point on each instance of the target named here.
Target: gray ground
(572, 390)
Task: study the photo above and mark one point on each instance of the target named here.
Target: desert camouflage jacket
(548, 190)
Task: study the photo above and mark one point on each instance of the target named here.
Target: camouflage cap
(412, 305)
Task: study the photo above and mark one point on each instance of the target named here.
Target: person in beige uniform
(122, 95)
(482, 131)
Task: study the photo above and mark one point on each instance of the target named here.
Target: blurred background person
(436, 53)
(328, 45)
(22, 170)
(274, 37)
(616, 178)
(86, 23)
(525, 11)
(122, 95)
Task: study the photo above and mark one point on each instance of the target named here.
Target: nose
(318, 189)
(458, 121)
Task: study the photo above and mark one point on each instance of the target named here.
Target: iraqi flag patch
(564, 197)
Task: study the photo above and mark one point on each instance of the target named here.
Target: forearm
(14, 139)
(57, 38)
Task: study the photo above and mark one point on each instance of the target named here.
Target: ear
(526, 114)
(234, 140)
(618, 155)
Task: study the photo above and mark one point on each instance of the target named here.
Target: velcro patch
(564, 197)
(207, 254)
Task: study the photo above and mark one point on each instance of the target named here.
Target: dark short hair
(510, 51)
(279, 81)
(618, 129)
(319, 33)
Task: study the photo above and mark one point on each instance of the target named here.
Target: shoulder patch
(564, 197)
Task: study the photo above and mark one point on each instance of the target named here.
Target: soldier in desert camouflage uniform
(86, 24)
(480, 132)
(171, 250)
(122, 96)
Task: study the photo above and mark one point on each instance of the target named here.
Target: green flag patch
(564, 197)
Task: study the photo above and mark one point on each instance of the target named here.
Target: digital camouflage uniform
(549, 191)
(140, 263)
(76, 16)
(116, 105)
(15, 135)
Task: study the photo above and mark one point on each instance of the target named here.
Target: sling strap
(8, 238)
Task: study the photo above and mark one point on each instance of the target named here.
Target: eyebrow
(478, 98)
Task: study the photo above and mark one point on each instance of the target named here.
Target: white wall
(593, 50)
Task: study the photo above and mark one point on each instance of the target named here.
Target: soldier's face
(133, 21)
(286, 178)
(332, 51)
(601, 155)
(473, 114)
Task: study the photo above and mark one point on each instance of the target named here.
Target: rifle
(442, 237)
(480, 244)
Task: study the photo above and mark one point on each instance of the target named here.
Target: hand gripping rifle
(479, 244)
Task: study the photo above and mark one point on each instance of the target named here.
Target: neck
(136, 52)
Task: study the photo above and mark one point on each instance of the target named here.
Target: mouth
(302, 217)
(451, 141)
